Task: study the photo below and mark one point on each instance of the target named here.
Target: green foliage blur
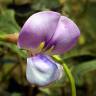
(81, 59)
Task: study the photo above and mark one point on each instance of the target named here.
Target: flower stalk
(68, 73)
(12, 38)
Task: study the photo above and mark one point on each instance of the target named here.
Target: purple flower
(46, 33)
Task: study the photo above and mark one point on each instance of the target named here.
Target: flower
(46, 33)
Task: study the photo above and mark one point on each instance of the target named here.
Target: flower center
(40, 49)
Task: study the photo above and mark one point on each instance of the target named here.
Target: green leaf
(7, 22)
(79, 51)
(16, 94)
(14, 49)
(44, 4)
(80, 70)
(45, 90)
(5, 2)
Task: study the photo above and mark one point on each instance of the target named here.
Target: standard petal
(42, 70)
(39, 27)
(65, 36)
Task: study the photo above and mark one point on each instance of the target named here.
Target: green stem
(72, 82)
(68, 73)
(2, 37)
(9, 37)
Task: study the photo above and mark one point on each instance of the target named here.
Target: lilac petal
(39, 27)
(42, 70)
(65, 36)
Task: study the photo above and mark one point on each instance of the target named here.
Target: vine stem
(72, 82)
(68, 73)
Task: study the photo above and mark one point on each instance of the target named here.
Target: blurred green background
(81, 59)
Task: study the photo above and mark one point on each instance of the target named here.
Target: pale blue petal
(42, 70)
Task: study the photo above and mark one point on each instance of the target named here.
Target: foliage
(81, 59)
